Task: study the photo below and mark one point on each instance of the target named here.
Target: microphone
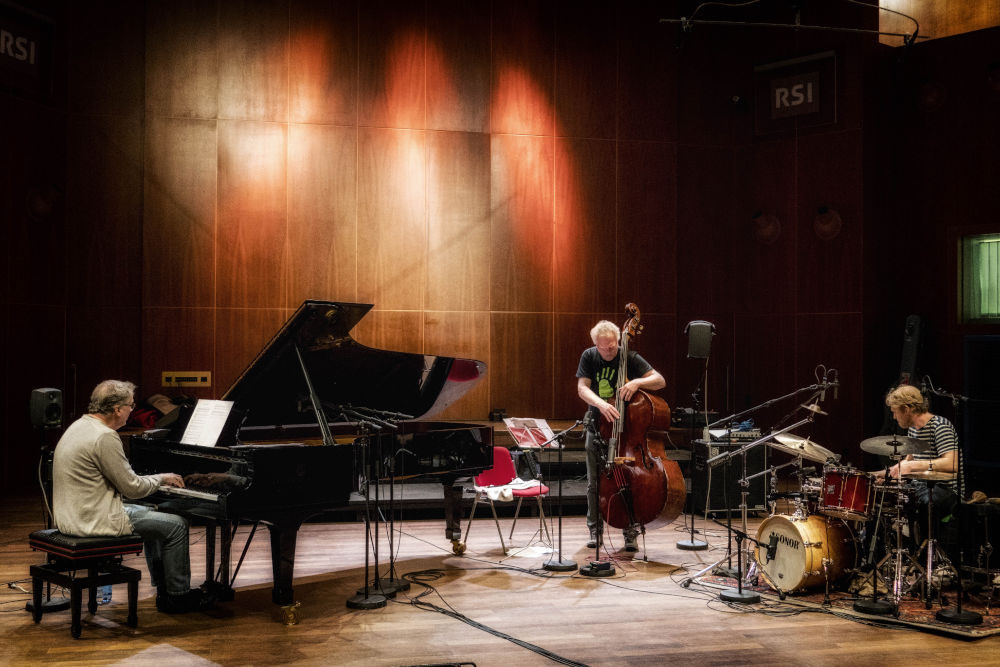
(835, 383)
(923, 385)
(772, 547)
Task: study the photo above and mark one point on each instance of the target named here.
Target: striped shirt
(940, 433)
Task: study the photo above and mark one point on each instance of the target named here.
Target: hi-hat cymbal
(804, 447)
(814, 407)
(930, 476)
(887, 445)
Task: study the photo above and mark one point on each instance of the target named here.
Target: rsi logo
(795, 95)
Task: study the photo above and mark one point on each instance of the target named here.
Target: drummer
(911, 411)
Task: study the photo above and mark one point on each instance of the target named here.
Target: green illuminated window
(981, 278)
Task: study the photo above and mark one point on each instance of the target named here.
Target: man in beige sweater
(91, 476)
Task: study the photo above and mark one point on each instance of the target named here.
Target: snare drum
(846, 493)
(792, 551)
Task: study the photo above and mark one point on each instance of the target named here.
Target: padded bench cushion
(72, 547)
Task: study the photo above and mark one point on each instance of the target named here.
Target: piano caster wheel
(290, 613)
(457, 548)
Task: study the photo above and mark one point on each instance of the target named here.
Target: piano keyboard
(190, 493)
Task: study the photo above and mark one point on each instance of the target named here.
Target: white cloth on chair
(505, 493)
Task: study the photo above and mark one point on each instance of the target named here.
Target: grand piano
(277, 463)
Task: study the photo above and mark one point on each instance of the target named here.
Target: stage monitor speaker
(713, 480)
(699, 333)
(46, 408)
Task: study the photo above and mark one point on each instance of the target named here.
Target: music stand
(556, 563)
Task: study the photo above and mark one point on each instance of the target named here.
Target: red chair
(500, 484)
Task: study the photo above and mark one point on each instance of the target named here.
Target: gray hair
(109, 395)
(605, 328)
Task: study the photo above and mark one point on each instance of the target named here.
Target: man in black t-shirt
(596, 380)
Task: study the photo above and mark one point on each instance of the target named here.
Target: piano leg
(222, 589)
(453, 514)
(283, 561)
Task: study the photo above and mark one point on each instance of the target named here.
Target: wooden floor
(642, 616)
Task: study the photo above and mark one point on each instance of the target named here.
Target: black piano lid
(272, 389)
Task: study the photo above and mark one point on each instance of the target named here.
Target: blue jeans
(165, 541)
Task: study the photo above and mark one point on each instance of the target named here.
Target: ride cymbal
(887, 445)
(804, 447)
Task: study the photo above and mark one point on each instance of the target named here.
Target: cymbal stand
(876, 606)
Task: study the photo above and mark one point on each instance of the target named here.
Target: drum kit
(845, 522)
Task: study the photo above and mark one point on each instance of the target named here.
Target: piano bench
(69, 557)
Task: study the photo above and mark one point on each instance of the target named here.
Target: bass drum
(792, 550)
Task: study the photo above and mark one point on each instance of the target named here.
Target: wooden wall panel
(251, 215)
(399, 330)
(766, 258)
(104, 210)
(392, 64)
(458, 67)
(392, 233)
(178, 232)
(521, 200)
(836, 341)
(253, 60)
(458, 221)
(521, 352)
(34, 214)
(240, 334)
(586, 70)
(105, 69)
(764, 365)
(323, 62)
(647, 226)
(465, 336)
(182, 66)
(830, 268)
(657, 343)
(178, 339)
(322, 213)
(585, 263)
(523, 67)
(648, 73)
(705, 273)
(103, 342)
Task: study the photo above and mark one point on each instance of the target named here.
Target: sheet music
(207, 421)
(530, 433)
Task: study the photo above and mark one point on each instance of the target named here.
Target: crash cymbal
(887, 445)
(804, 447)
(814, 407)
(930, 476)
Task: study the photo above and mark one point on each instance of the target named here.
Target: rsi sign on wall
(801, 92)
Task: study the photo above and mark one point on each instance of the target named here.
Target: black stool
(101, 557)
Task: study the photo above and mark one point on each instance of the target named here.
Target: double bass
(639, 485)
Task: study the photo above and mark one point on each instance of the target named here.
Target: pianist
(90, 476)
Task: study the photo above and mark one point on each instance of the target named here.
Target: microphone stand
(957, 615)
(597, 567)
(693, 544)
(365, 599)
(556, 563)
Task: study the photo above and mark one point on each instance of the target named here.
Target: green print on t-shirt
(604, 380)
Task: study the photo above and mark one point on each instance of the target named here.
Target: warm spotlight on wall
(827, 223)
(766, 227)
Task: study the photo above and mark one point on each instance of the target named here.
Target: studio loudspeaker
(699, 335)
(46, 408)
